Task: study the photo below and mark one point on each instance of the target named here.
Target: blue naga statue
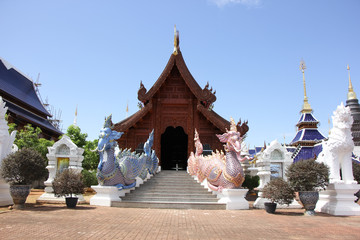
(122, 168)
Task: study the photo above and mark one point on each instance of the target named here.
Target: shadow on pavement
(54, 207)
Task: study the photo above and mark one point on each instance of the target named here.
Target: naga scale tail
(143, 161)
(154, 163)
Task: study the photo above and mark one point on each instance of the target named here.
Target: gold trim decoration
(176, 41)
(351, 94)
(306, 106)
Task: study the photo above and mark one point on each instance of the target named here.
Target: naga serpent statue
(121, 170)
(222, 171)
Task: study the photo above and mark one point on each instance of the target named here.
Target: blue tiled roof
(258, 149)
(291, 149)
(252, 151)
(297, 137)
(20, 87)
(308, 134)
(310, 118)
(304, 154)
(32, 118)
(307, 117)
(317, 149)
(312, 135)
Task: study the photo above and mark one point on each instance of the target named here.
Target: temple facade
(24, 105)
(174, 107)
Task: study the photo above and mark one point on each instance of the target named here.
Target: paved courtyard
(52, 221)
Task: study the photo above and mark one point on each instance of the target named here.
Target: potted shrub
(356, 173)
(20, 169)
(250, 183)
(307, 177)
(68, 184)
(89, 178)
(278, 191)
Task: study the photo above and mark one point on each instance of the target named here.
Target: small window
(276, 170)
(207, 149)
(140, 148)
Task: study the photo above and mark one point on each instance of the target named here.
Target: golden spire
(306, 106)
(351, 94)
(176, 41)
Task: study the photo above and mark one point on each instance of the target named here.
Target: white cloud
(221, 3)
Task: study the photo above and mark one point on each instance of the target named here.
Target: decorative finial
(351, 94)
(306, 106)
(176, 41)
(233, 125)
(75, 118)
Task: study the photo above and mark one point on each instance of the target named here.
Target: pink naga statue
(222, 171)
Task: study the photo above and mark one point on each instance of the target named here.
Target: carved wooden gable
(175, 101)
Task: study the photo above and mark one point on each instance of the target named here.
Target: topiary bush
(308, 175)
(23, 167)
(251, 182)
(356, 171)
(279, 191)
(68, 183)
(89, 178)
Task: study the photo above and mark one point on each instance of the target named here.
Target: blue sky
(93, 54)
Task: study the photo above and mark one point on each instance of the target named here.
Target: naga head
(108, 136)
(232, 139)
(149, 143)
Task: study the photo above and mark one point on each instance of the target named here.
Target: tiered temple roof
(307, 134)
(354, 105)
(24, 105)
(304, 143)
(205, 96)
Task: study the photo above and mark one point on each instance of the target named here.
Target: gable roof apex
(206, 96)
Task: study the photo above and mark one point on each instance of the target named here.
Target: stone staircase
(173, 190)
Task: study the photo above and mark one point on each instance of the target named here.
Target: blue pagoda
(307, 141)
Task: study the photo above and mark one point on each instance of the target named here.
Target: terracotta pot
(270, 207)
(71, 202)
(19, 193)
(309, 200)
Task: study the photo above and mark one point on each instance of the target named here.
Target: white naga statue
(337, 151)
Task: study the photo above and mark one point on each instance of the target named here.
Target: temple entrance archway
(174, 144)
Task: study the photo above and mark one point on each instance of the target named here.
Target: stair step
(170, 205)
(201, 195)
(170, 189)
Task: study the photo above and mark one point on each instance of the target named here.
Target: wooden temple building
(174, 107)
(24, 105)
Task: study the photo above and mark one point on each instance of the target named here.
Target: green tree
(74, 132)
(91, 159)
(28, 137)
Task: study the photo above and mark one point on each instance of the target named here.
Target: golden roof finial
(176, 41)
(351, 94)
(306, 106)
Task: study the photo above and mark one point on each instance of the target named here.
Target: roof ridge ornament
(351, 94)
(176, 41)
(306, 106)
